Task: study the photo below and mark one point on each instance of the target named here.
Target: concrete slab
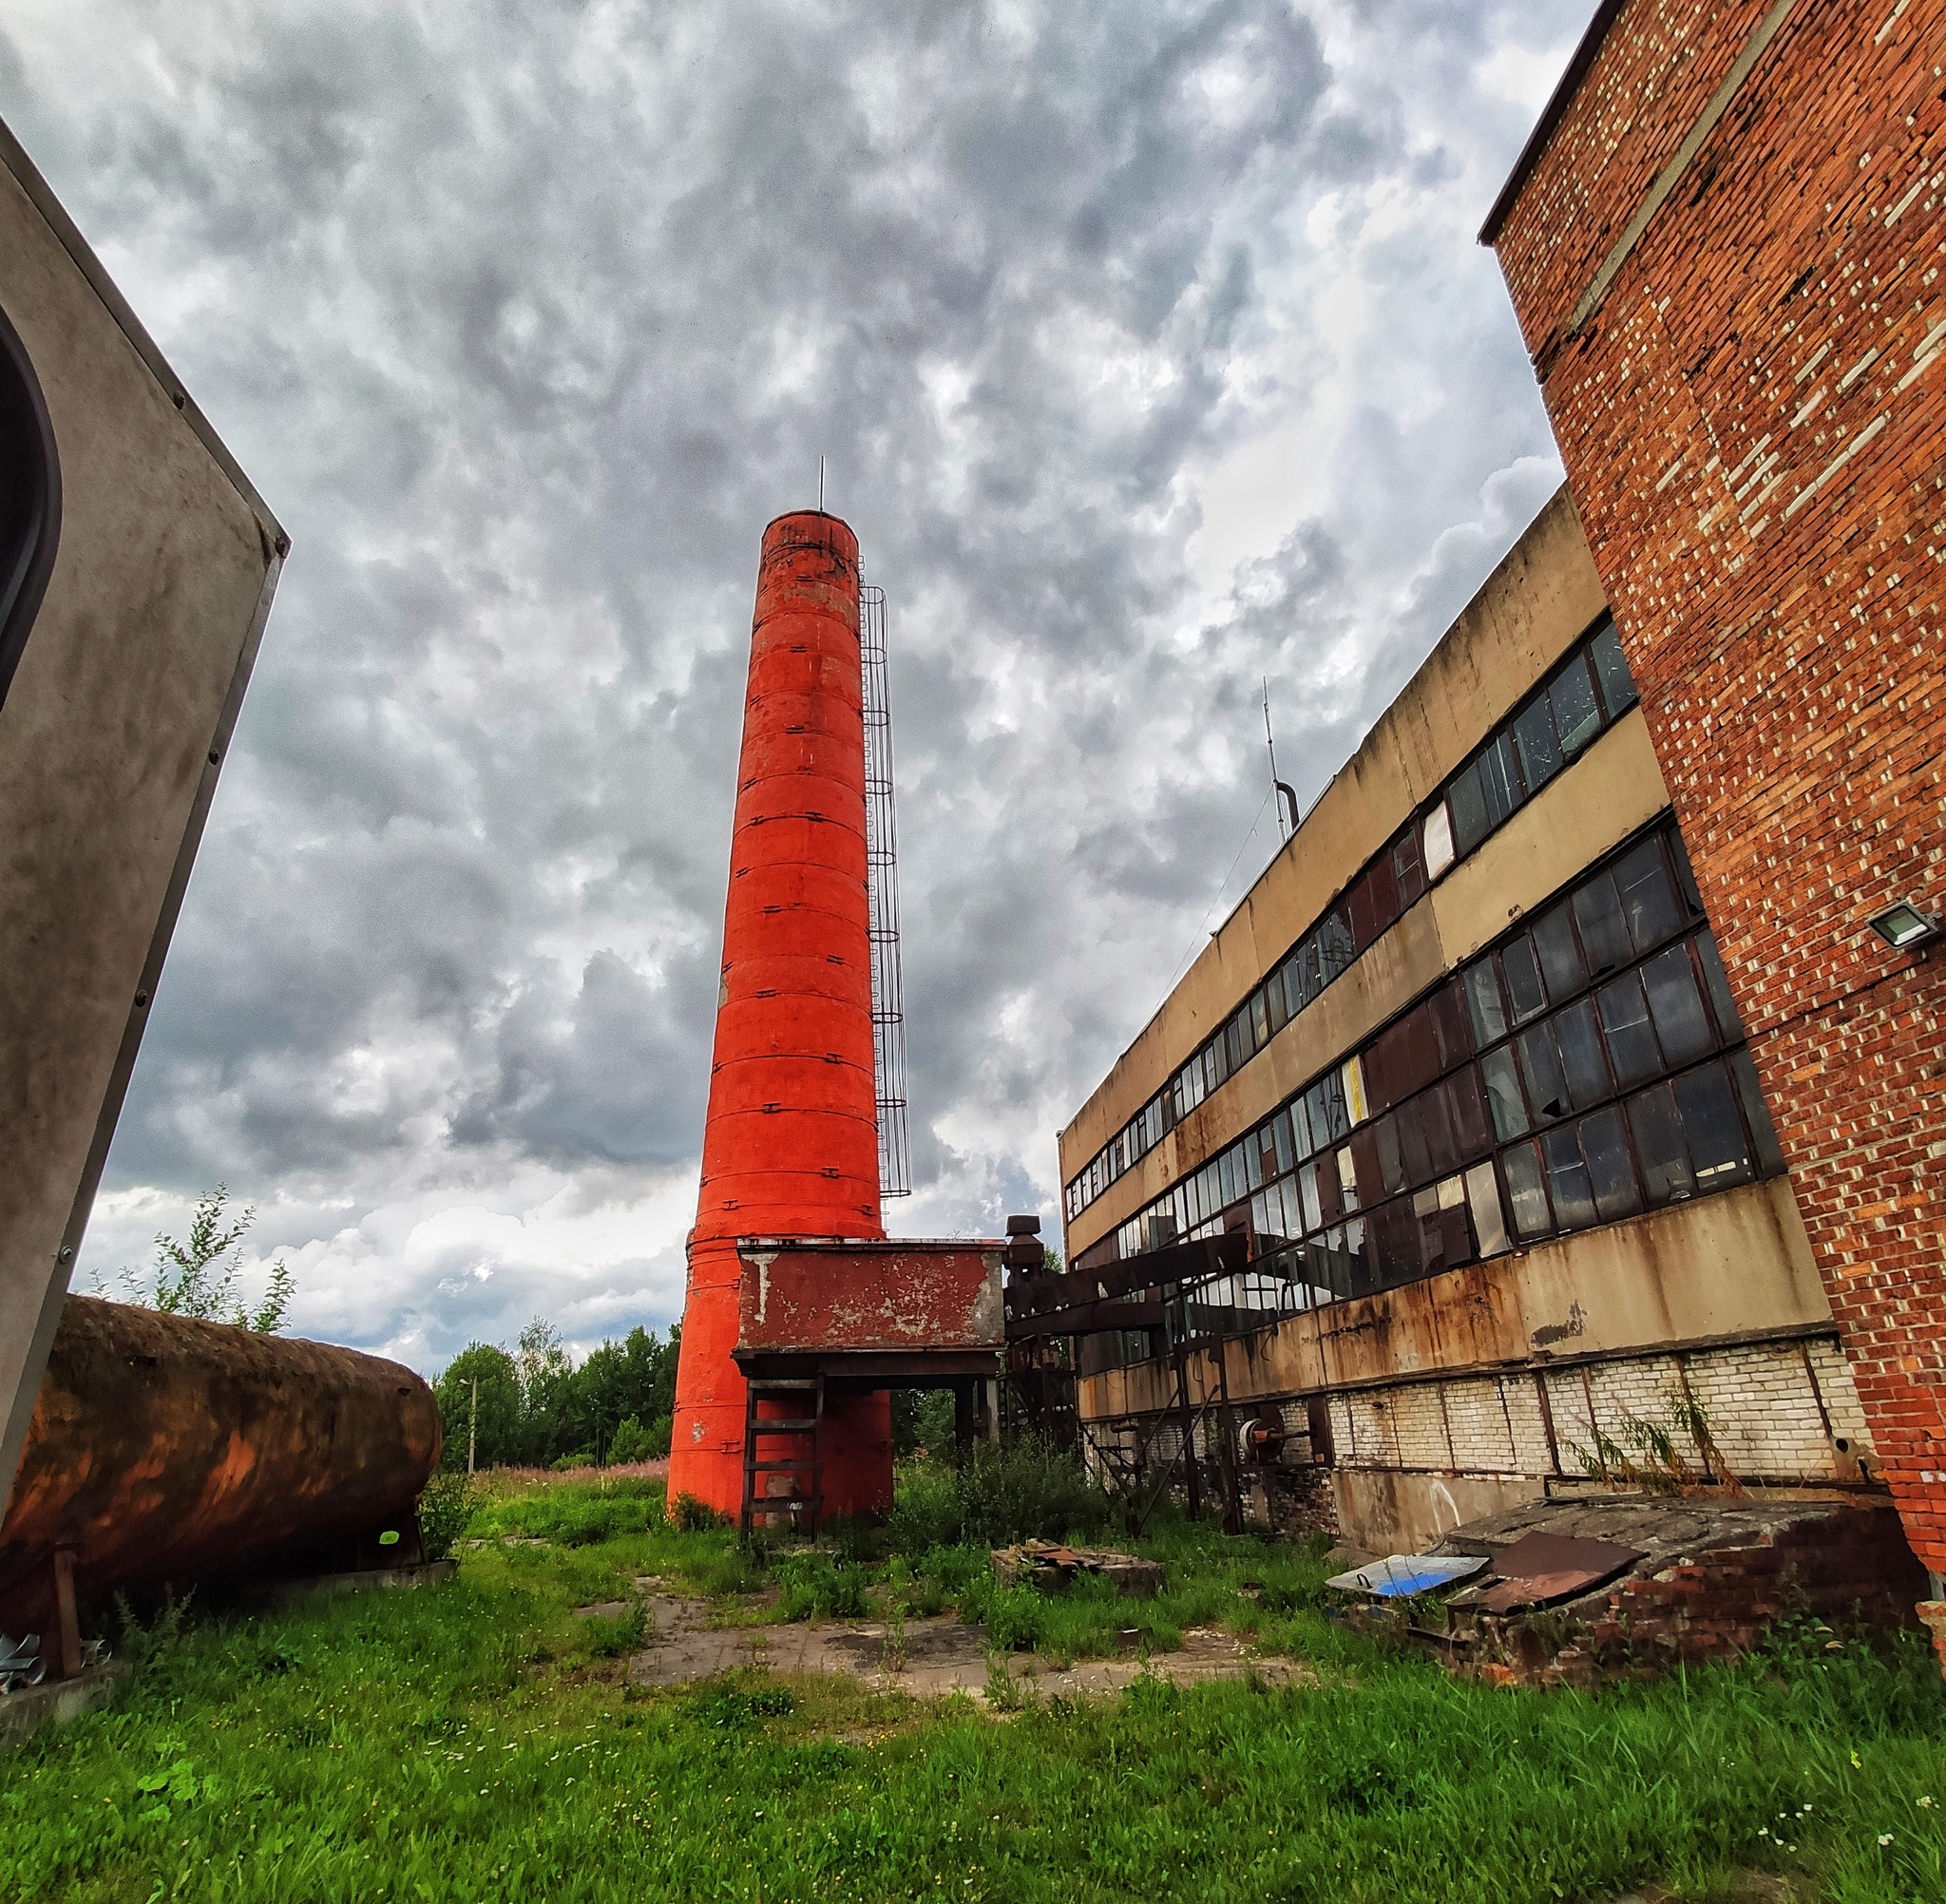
(56, 1702)
(942, 1656)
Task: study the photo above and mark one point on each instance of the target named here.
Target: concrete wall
(111, 735)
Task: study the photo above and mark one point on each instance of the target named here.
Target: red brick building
(1725, 242)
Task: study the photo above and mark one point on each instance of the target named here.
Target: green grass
(477, 1741)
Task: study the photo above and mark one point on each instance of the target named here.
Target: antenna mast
(1285, 795)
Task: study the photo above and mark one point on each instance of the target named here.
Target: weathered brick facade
(1726, 250)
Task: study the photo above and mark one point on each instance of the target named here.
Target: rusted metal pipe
(166, 1451)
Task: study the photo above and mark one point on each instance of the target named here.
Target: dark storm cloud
(1148, 353)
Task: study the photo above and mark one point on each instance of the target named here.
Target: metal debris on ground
(21, 1663)
(1053, 1569)
(1400, 1575)
(1542, 1568)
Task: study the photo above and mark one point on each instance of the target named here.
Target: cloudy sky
(1151, 354)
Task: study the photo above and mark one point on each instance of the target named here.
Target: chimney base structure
(790, 1137)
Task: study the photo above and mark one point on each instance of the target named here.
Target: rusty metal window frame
(1361, 1219)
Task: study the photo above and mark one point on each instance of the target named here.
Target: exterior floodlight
(1903, 926)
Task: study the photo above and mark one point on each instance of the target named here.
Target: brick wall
(1752, 412)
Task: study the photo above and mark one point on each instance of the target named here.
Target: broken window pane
(1560, 958)
(1757, 1114)
(1540, 1068)
(1718, 1151)
(1279, 1135)
(1676, 1006)
(1308, 1190)
(1716, 979)
(1260, 1019)
(1391, 1166)
(1301, 1141)
(1483, 1201)
(1611, 1169)
(1581, 1054)
(1686, 877)
(1276, 1006)
(1334, 946)
(1467, 805)
(1630, 1038)
(1567, 1180)
(1466, 1103)
(1450, 1025)
(1436, 842)
(1408, 867)
(1522, 1166)
(1500, 778)
(1577, 714)
(1503, 1093)
(1604, 931)
(1413, 1143)
(1433, 1117)
(1659, 1148)
(1648, 900)
(1525, 993)
(1483, 1002)
(1618, 685)
(1541, 752)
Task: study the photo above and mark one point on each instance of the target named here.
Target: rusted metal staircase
(805, 1430)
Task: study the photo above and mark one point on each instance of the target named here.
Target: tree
(500, 1436)
(195, 1277)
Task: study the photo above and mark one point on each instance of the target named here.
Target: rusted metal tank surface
(167, 1451)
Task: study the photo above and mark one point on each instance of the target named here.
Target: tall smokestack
(791, 1138)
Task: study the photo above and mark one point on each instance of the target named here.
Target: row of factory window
(1584, 697)
(1589, 1067)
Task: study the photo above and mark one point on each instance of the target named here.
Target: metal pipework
(166, 1451)
(790, 1137)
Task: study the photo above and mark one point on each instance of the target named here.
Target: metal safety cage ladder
(881, 881)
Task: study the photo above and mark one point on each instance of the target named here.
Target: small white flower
(1884, 1837)
(1925, 1804)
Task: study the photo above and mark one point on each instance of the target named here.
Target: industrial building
(1464, 1075)
(1724, 243)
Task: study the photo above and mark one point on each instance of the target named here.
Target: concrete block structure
(136, 567)
(1724, 244)
(1464, 1072)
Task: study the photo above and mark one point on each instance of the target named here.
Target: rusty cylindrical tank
(166, 1451)
(790, 1137)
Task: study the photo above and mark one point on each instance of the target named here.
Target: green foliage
(446, 1509)
(575, 1516)
(815, 1585)
(196, 1276)
(538, 1408)
(633, 1442)
(476, 1741)
(726, 1709)
(492, 1413)
(605, 1635)
(695, 1516)
(1023, 1490)
(921, 1421)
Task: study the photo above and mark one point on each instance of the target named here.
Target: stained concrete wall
(111, 736)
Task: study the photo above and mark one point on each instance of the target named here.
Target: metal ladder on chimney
(805, 1429)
